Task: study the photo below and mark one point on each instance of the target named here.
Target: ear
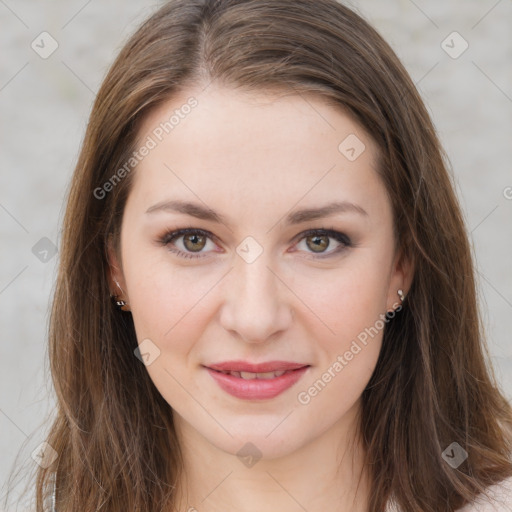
(401, 278)
(115, 275)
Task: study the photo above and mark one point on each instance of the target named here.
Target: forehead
(259, 149)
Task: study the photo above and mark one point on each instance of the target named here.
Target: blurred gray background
(54, 57)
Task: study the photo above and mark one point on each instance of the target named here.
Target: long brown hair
(432, 386)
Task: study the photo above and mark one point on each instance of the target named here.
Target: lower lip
(257, 389)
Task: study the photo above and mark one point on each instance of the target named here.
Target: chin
(266, 439)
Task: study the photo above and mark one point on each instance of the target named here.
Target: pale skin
(254, 159)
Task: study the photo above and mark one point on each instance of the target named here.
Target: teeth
(251, 375)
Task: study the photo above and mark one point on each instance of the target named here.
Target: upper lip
(244, 366)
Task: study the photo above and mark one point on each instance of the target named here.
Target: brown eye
(194, 242)
(318, 242)
(188, 242)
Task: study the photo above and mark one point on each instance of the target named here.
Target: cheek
(165, 299)
(351, 306)
(352, 309)
(169, 307)
(348, 300)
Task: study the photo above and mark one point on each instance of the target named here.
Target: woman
(266, 297)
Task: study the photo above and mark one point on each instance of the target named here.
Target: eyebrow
(307, 214)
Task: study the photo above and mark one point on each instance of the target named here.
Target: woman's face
(250, 175)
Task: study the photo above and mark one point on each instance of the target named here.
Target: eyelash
(170, 236)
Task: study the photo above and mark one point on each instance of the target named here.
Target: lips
(260, 381)
(243, 366)
(252, 375)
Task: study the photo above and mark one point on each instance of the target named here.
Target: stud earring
(120, 303)
(401, 295)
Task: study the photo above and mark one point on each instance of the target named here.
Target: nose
(256, 301)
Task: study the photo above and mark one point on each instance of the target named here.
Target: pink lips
(256, 389)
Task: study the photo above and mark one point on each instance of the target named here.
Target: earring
(401, 295)
(120, 303)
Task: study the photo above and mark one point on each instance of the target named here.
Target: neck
(325, 474)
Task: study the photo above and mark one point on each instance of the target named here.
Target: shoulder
(498, 499)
